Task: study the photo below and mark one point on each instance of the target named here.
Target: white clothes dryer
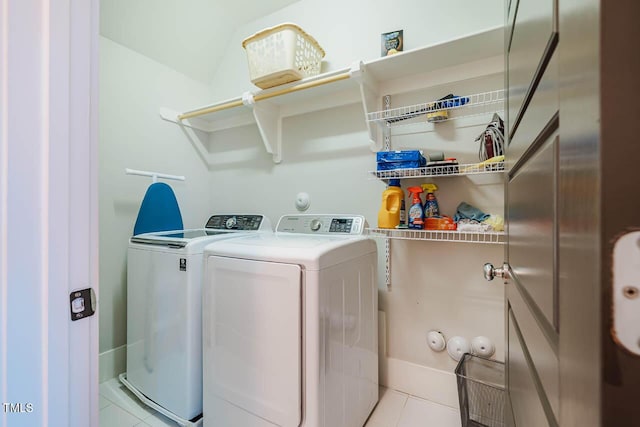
(290, 326)
(164, 312)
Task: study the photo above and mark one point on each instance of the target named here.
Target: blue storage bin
(407, 159)
(399, 156)
(399, 165)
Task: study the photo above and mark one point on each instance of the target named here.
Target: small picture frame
(392, 42)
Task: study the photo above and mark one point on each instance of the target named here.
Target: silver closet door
(532, 362)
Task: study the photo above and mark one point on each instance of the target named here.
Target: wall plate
(626, 292)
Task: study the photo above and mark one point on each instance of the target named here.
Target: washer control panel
(235, 222)
(322, 224)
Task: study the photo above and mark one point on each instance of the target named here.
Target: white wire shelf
(488, 237)
(463, 106)
(443, 170)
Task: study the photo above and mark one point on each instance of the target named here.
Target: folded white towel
(473, 226)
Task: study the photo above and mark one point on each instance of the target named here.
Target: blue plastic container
(407, 159)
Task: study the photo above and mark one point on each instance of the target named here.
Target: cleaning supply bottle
(403, 215)
(431, 208)
(390, 214)
(416, 213)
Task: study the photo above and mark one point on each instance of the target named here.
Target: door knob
(490, 272)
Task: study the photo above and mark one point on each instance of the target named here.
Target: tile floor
(120, 408)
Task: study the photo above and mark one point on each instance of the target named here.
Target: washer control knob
(231, 222)
(315, 224)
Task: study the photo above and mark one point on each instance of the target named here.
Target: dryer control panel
(322, 224)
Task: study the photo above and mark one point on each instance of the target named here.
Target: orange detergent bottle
(389, 215)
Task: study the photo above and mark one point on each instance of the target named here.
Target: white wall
(48, 211)
(436, 285)
(180, 31)
(326, 153)
(132, 135)
(350, 31)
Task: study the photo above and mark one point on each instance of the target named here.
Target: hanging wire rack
(440, 170)
(490, 237)
(463, 106)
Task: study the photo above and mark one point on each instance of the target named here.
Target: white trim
(48, 210)
(25, 369)
(417, 380)
(4, 163)
(112, 363)
(45, 91)
(94, 261)
(82, 187)
(420, 381)
(57, 237)
(153, 405)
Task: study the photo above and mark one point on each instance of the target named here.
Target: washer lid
(176, 238)
(221, 226)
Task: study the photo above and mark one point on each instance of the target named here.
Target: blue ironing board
(159, 210)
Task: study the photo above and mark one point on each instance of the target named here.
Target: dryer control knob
(315, 224)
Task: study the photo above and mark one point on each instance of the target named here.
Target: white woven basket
(282, 54)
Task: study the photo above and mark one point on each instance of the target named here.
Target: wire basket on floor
(481, 391)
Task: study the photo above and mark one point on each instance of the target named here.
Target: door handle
(490, 272)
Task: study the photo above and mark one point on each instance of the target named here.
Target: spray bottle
(431, 208)
(416, 212)
(391, 213)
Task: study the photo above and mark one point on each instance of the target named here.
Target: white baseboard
(420, 381)
(112, 363)
(417, 380)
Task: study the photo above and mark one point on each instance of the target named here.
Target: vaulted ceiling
(189, 36)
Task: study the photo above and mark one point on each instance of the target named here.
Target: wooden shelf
(363, 82)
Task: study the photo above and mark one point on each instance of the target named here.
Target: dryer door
(252, 342)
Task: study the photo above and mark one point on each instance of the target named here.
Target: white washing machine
(164, 312)
(290, 326)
